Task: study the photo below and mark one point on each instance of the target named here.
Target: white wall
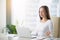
(2, 13)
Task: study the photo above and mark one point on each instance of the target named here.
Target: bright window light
(18, 11)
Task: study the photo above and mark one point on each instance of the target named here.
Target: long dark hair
(47, 12)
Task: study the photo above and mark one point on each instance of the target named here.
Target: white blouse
(42, 29)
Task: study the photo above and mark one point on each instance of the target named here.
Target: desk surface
(15, 37)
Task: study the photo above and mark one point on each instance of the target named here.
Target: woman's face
(42, 12)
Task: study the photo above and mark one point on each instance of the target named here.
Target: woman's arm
(50, 32)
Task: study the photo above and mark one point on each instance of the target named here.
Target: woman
(45, 28)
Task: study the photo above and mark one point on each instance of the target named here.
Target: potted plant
(12, 29)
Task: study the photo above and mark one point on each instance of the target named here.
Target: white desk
(15, 37)
(12, 37)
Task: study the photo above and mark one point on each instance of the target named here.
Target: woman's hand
(47, 33)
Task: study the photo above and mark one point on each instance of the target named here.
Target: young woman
(45, 28)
